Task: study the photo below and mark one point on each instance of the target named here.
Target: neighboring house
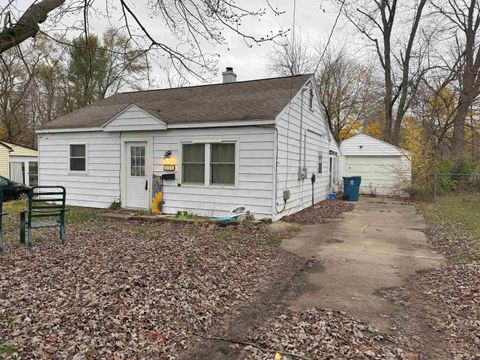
(19, 163)
(217, 147)
(385, 169)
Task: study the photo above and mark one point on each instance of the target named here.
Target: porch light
(169, 161)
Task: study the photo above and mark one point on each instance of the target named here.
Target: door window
(137, 161)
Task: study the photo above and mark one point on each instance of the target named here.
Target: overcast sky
(314, 19)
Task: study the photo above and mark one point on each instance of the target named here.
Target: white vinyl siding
(289, 148)
(134, 118)
(4, 161)
(362, 144)
(98, 187)
(254, 147)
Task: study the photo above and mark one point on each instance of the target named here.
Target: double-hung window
(78, 157)
(222, 164)
(209, 163)
(193, 163)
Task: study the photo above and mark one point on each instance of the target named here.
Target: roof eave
(210, 124)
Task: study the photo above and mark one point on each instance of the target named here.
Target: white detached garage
(385, 169)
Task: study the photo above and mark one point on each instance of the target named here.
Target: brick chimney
(229, 76)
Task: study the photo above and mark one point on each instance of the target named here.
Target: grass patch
(15, 206)
(7, 350)
(78, 215)
(272, 240)
(459, 210)
(457, 215)
(74, 214)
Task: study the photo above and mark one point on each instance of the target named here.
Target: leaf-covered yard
(444, 303)
(161, 290)
(118, 290)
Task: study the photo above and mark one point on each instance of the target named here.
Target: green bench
(46, 209)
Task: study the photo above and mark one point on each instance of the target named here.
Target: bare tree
(464, 23)
(401, 55)
(346, 88)
(348, 93)
(291, 57)
(434, 108)
(192, 23)
(16, 76)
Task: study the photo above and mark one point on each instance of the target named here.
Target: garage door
(380, 174)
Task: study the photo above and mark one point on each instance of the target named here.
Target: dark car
(13, 190)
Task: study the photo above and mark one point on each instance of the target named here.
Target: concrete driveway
(377, 245)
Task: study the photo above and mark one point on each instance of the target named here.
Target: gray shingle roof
(243, 100)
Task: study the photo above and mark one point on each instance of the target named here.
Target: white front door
(137, 181)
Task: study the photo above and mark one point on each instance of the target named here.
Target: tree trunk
(475, 144)
(458, 141)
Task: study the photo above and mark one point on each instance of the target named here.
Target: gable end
(134, 118)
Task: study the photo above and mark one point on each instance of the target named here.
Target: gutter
(240, 123)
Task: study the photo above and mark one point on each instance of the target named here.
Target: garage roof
(366, 145)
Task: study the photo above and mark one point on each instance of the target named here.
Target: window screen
(77, 158)
(222, 164)
(320, 163)
(193, 163)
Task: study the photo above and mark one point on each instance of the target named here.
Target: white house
(251, 143)
(18, 163)
(385, 169)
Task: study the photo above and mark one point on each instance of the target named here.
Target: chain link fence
(447, 183)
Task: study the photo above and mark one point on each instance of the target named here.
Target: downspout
(275, 196)
(300, 169)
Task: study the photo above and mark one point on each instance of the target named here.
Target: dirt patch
(323, 210)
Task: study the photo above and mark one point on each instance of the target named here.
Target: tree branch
(28, 24)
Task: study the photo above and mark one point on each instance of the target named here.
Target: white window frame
(207, 149)
(70, 156)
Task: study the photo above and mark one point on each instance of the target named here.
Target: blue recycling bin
(351, 188)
